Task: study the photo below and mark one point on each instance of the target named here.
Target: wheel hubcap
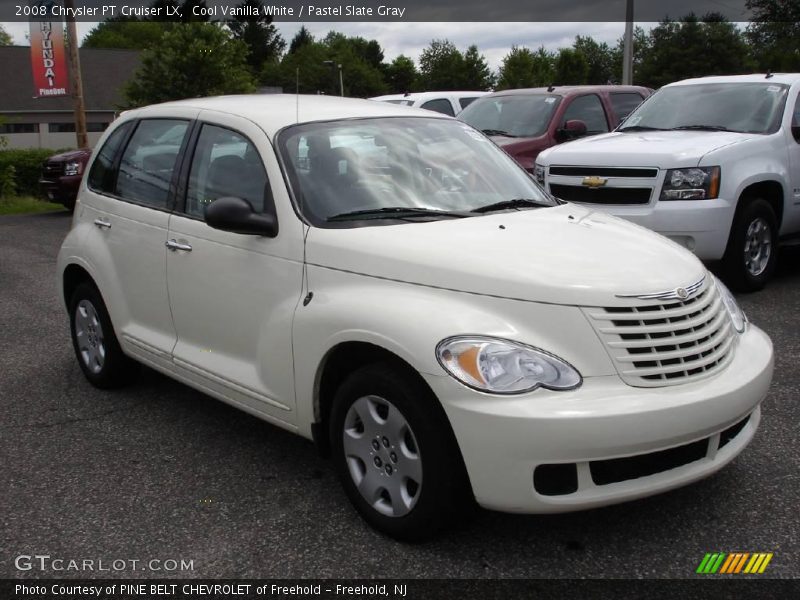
(382, 456)
(757, 247)
(89, 334)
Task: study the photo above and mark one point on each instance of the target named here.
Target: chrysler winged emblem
(681, 293)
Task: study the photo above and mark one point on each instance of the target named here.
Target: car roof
(428, 95)
(572, 90)
(273, 112)
(786, 78)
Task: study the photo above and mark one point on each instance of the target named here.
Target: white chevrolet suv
(389, 283)
(712, 163)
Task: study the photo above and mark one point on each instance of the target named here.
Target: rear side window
(588, 109)
(440, 105)
(102, 175)
(624, 103)
(146, 168)
(796, 121)
(225, 163)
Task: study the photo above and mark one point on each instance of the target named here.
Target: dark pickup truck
(61, 176)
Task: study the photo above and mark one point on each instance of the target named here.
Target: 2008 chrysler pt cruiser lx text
(388, 282)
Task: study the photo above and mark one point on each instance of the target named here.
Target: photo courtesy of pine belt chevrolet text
(386, 281)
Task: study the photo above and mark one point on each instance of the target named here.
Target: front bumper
(504, 439)
(702, 226)
(62, 189)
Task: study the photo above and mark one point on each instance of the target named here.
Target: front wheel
(395, 454)
(752, 248)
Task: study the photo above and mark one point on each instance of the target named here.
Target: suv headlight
(73, 168)
(501, 366)
(738, 318)
(695, 183)
(538, 173)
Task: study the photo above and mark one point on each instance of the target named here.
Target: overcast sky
(493, 39)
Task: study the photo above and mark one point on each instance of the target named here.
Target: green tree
(5, 37)
(477, 74)
(774, 34)
(599, 59)
(523, 68)
(571, 67)
(692, 47)
(263, 40)
(441, 66)
(302, 38)
(126, 33)
(303, 70)
(401, 75)
(196, 59)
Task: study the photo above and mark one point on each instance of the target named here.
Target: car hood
(561, 255)
(665, 149)
(80, 155)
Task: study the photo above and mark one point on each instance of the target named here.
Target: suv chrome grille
(656, 343)
(52, 169)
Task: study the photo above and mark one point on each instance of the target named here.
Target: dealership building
(49, 122)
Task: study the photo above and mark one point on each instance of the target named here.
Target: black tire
(116, 369)
(735, 262)
(444, 493)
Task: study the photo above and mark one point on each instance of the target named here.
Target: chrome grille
(657, 343)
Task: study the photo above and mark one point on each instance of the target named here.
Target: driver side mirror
(238, 216)
(574, 128)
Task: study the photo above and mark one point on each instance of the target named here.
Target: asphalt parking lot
(160, 471)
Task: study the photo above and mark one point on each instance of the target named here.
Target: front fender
(410, 320)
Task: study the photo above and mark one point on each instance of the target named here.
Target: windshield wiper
(498, 132)
(395, 212)
(701, 128)
(513, 203)
(641, 128)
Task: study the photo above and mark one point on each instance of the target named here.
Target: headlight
(538, 173)
(697, 183)
(73, 168)
(738, 317)
(504, 367)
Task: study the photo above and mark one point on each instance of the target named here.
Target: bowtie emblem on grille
(594, 182)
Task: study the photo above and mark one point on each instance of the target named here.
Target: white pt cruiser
(389, 283)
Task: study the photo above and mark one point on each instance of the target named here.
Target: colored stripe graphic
(734, 562)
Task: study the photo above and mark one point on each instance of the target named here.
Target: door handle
(102, 223)
(175, 245)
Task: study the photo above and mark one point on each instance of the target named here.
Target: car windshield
(429, 167)
(745, 107)
(515, 115)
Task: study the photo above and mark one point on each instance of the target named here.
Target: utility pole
(333, 64)
(75, 76)
(627, 52)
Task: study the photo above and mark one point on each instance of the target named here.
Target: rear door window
(440, 105)
(103, 175)
(148, 163)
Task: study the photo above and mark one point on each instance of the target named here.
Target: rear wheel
(96, 347)
(752, 248)
(396, 455)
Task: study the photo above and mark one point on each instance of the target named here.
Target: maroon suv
(525, 122)
(62, 174)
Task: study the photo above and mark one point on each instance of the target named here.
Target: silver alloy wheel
(382, 455)
(89, 334)
(757, 246)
